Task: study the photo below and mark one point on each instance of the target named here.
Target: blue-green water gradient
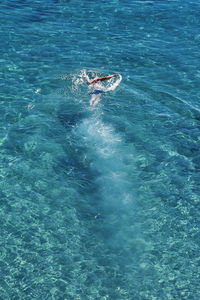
(103, 203)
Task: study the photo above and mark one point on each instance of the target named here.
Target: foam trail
(106, 154)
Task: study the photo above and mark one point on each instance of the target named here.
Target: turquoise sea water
(100, 204)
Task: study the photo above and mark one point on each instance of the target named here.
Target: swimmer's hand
(86, 76)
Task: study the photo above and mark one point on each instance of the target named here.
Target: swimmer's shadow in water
(70, 118)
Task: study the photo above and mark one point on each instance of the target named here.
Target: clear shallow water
(103, 203)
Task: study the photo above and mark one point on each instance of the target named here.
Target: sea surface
(100, 203)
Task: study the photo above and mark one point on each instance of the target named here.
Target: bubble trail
(107, 156)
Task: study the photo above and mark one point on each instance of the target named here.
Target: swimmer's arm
(103, 78)
(86, 77)
(107, 77)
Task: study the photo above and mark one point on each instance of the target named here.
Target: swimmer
(95, 88)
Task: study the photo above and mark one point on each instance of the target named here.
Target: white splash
(112, 84)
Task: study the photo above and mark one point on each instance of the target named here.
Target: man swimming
(95, 87)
